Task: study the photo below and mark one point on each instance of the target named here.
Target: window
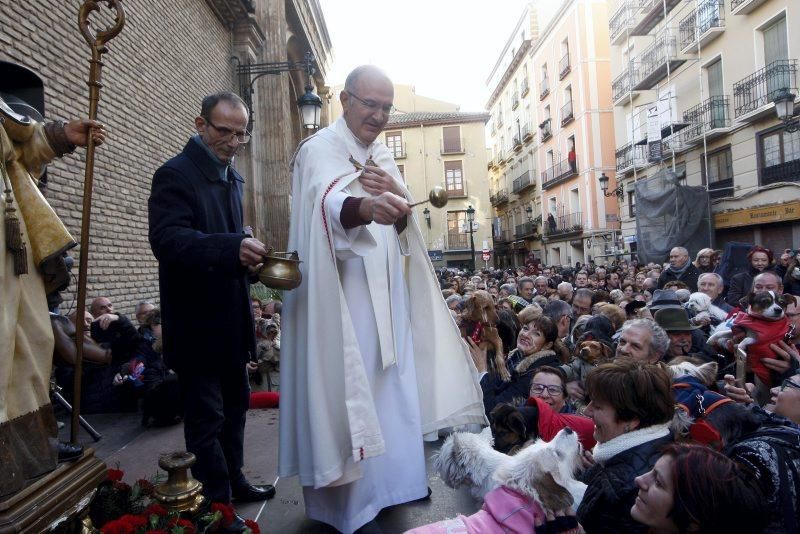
(451, 140)
(631, 204)
(454, 180)
(394, 142)
(402, 169)
(456, 229)
(779, 155)
(719, 167)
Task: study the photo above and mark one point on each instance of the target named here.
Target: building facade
(551, 137)
(168, 56)
(434, 144)
(701, 76)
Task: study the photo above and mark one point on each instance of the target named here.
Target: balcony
(544, 89)
(505, 236)
(491, 164)
(457, 241)
(702, 26)
(498, 197)
(566, 113)
(622, 86)
(524, 181)
(752, 94)
(499, 120)
(563, 66)
(455, 146)
(657, 59)
(710, 118)
(524, 88)
(782, 172)
(527, 229)
(527, 134)
(650, 14)
(623, 19)
(514, 102)
(630, 157)
(563, 225)
(721, 188)
(546, 130)
(558, 173)
(743, 7)
(517, 143)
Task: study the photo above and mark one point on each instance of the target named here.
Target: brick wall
(170, 54)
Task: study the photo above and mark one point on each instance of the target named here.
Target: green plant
(262, 292)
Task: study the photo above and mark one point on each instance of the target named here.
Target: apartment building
(551, 137)
(434, 144)
(706, 73)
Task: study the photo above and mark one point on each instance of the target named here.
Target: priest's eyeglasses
(373, 106)
(228, 134)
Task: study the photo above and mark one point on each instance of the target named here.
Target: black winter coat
(611, 490)
(195, 233)
(740, 285)
(688, 277)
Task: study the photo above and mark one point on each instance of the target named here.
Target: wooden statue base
(58, 496)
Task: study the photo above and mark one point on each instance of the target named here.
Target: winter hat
(598, 328)
(674, 320)
(665, 298)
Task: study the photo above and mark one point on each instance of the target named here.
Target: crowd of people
(683, 443)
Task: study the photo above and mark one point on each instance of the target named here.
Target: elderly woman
(703, 260)
(692, 488)
(760, 259)
(550, 385)
(631, 406)
(534, 349)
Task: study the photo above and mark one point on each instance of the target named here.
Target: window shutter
(451, 139)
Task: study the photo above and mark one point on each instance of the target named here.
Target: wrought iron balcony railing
(631, 156)
(524, 181)
(783, 172)
(546, 130)
(527, 229)
(566, 113)
(622, 84)
(656, 60)
(524, 88)
(527, 134)
(457, 241)
(563, 66)
(498, 197)
(544, 88)
(710, 15)
(711, 114)
(517, 142)
(558, 173)
(572, 222)
(760, 88)
(514, 102)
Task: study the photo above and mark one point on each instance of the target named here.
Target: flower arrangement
(119, 508)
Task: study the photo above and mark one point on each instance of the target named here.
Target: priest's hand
(77, 132)
(251, 252)
(375, 181)
(386, 208)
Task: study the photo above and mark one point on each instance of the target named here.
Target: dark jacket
(518, 388)
(611, 490)
(740, 285)
(688, 277)
(195, 233)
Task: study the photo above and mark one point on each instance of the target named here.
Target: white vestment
(371, 357)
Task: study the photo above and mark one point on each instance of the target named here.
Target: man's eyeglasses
(228, 134)
(553, 391)
(372, 105)
(789, 383)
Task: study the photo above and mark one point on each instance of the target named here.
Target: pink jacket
(504, 511)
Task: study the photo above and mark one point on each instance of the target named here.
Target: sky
(444, 48)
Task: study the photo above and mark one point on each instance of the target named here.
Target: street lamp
(427, 214)
(784, 108)
(470, 219)
(603, 179)
(529, 213)
(309, 104)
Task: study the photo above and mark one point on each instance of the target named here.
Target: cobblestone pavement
(136, 450)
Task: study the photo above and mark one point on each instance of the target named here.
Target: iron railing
(498, 197)
(545, 88)
(736, 3)
(760, 88)
(526, 132)
(517, 142)
(566, 113)
(710, 14)
(721, 188)
(514, 101)
(563, 66)
(457, 241)
(620, 21)
(546, 130)
(708, 115)
(525, 229)
(788, 171)
(571, 222)
(663, 50)
(499, 120)
(558, 173)
(524, 181)
(524, 87)
(630, 156)
(622, 84)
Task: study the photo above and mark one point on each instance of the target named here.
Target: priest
(371, 358)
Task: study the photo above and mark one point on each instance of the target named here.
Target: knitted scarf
(679, 272)
(605, 451)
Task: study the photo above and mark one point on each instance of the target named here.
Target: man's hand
(376, 181)
(251, 252)
(386, 208)
(77, 132)
(478, 356)
(252, 367)
(738, 394)
(106, 319)
(782, 362)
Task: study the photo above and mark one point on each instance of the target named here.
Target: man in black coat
(680, 269)
(196, 233)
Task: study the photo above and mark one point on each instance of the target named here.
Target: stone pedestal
(60, 495)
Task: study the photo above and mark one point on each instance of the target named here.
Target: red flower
(146, 487)
(121, 486)
(155, 509)
(187, 526)
(115, 475)
(135, 521)
(116, 526)
(226, 510)
(253, 526)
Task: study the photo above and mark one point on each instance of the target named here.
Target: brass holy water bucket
(281, 270)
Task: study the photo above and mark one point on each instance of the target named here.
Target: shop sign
(762, 215)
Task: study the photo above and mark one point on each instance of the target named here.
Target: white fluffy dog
(700, 304)
(705, 373)
(544, 471)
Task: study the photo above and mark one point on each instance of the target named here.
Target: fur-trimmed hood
(527, 362)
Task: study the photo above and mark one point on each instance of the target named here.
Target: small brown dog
(479, 322)
(595, 352)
